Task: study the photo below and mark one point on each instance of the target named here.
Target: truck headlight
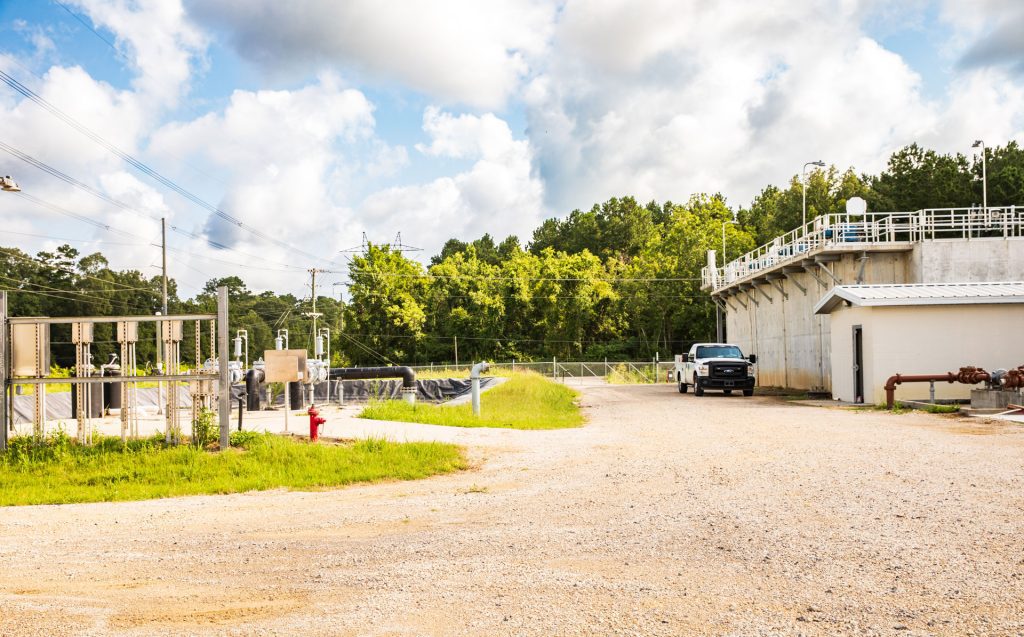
(702, 370)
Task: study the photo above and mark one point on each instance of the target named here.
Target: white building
(768, 297)
(877, 331)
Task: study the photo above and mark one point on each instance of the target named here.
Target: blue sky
(317, 121)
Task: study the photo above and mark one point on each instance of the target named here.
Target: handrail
(875, 227)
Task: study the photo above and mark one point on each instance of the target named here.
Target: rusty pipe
(971, 375)
(1014, 378)
(898, 379)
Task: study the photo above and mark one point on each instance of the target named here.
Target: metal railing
(837, 230)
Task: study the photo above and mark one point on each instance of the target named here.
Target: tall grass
(62, 471)
(623, 374)
(525, 401)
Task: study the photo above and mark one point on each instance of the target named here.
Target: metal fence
(624, 371)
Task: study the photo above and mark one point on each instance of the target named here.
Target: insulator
(238, 346)
(319, 345)
(278, 343)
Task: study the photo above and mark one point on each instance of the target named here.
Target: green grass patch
(622, 374)
(60, 471)
(525, 401)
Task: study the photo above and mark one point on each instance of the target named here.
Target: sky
(281, 132)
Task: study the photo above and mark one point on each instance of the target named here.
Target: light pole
(724, 224)
(984, 176)
(9, 185)
(803, 181)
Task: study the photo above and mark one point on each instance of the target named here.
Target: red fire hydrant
(314, 422)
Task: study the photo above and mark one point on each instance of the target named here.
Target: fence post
(224, 381)
(554, 367)
(3, 372)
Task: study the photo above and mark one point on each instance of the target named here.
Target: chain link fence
(651, 371)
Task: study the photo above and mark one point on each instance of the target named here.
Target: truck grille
(727, 371)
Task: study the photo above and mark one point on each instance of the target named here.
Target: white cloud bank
(659, 100)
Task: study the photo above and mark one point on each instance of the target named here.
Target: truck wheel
(748, 392)
(682, 388)
(697, 389)
(727, 392)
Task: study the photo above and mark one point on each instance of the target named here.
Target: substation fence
(25, 346)
(651, 371)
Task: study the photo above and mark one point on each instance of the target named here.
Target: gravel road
(665, 515)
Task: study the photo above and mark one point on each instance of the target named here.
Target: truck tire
(697, 389)
(682, 387)
(748, 392)
(727, 392)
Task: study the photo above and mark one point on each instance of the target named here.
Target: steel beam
(88, 380)
(109, 319)
(778, 286)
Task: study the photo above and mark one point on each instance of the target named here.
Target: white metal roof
(921, 294)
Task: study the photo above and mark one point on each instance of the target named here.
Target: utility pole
(163, 250)
(314, 314)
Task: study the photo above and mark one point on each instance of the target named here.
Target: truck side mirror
(690, 358)
(753, 358)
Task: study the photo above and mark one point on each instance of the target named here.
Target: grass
(61, 471)
(625, 375)
(525, 401)
(443, 372)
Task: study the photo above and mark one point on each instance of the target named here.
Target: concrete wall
(794, 346)
(960, 261)
(928, 339)
(791, 342)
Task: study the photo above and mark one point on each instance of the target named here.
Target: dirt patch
(666, 515)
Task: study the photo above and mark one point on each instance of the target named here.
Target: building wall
(791, 342)
(794, 346)
(926, 339)
(960, 261)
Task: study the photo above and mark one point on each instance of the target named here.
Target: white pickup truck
(715, 366)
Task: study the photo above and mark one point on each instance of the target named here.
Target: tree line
(617, 281)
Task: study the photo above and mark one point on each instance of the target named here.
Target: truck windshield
(719, 351)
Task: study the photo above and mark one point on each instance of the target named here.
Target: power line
(89, 26)
(476, 277)
(10, 252)
(32, 161)
(142, 167)
(82, 294)
(78, 240)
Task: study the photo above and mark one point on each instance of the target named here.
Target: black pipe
(296, 395)
(407, 374)
(253, 380)
(241, 403)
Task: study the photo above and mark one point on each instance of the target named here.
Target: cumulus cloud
(669, 98)
(455, 50)
(156, 38)
(499, 194)
(281, 152)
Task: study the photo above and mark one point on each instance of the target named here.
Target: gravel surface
(665, 515)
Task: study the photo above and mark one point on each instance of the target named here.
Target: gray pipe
(474, 378)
